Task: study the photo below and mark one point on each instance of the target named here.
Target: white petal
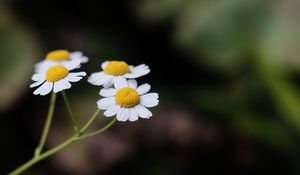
(106, 103)
(130, 75)
(35, 84)
(44, 65)
(108, 92)
(149, 100)
(97, 74)
(119, 114)
(78, 74)
(74, 77)
(38, 69)
(149, 103)
(120, 82)
(112, 111)
(72, 64)
(150, 96)
(137, 74)
(104, 64)
(123, 114)
(61, 85)
(44, 89)
(108, 82)
(133, 115)
(40, 65)
(132, 84)
(142, 111)
(141, 66)
(143, 89)
(105, 81)
(98, 78)
(84, 59)
(138, 71)
(75, 55)
(38, 77)
(58, 86)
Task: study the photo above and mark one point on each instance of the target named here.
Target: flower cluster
(123, 97)
(126, 99)
(53, 73)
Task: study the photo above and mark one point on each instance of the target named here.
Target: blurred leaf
(17, 58)
(218, 31)
(284, 92)
(281, 39)
(154, 11)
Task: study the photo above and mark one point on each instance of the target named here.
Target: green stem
(109, 125)
(277, 78)
(40, 147)
(40, 157)
(58, 148)
(71, 114)
(89, 122)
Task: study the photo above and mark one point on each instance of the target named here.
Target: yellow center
(127, 97)
(116, 68)
(58, 55)
(56, 73)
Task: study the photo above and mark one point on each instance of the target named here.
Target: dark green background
(227, 73)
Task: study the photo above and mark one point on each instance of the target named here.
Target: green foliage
(232, 36)
(17, 58)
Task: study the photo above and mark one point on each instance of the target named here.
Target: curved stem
(39, 148)
(109, 125)
(71, 114)
(42, 156)
(90, 122)
(58, 148)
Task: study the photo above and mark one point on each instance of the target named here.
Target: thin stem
(42, 156)
(58, 148)
(90, 122)
(71, 114)
(109, 125)
(40, 147)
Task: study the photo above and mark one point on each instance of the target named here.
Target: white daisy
(61, 56)
(116, 69)
(127, 101)
(56, 77)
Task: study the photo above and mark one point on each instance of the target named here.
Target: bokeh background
(228, 75)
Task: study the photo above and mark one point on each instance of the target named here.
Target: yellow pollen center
(56, 73)
(58, 55)
(127, 97)
(116, 68)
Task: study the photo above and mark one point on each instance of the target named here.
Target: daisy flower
(61, 56)
(127, 101)
(56, 77)
(112, 70)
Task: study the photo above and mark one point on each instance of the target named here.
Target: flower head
(56, 77)
(60, 57)
(114, 70)
(127, 101)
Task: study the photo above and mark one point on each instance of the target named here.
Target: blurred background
(228, 75)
